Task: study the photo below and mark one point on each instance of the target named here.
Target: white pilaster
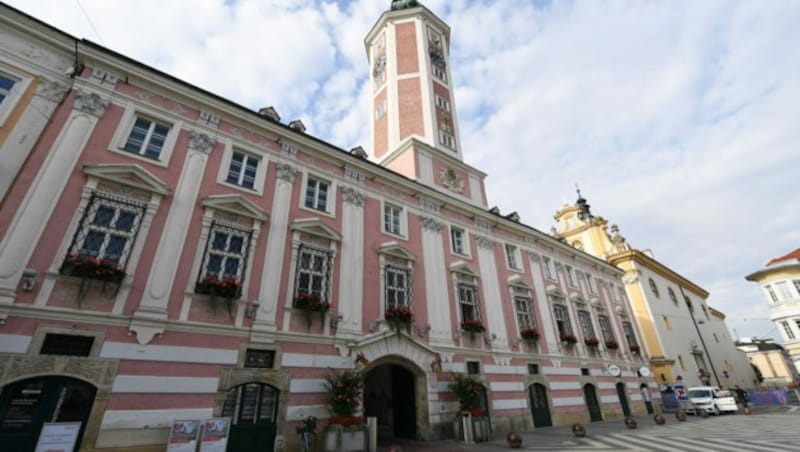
(272, 273)
(37, 207)
(153, 306)
(542, 304)
(492, 297)
(437, 296)
(351, 277)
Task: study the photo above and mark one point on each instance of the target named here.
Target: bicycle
(308, 438)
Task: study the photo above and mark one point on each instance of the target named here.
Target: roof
(793, 256)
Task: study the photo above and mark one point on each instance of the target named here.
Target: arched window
(654, 288)
(251, 403)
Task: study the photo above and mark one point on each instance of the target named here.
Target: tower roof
(793, 256)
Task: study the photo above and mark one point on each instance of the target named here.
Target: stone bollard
(578, 430)
(630, 423)
(748, 411)
(660, 420)
(702, 413)
(514, 440)
(680, 416)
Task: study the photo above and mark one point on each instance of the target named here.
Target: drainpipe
(702, 341)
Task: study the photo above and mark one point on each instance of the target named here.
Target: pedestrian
(741, 395)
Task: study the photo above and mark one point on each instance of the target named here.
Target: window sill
(140, 157)
(320, 212)
(252, 191)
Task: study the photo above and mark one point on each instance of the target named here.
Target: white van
(712, 399)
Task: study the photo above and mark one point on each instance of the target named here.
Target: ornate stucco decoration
(534, 257)
(484, 242)
(630, 279)
(429, 204)
(288, 149)
(451, 180)
(51, 90)
(201, 142)
(482, 224)
(352, 196)
(403, 4)
(285, 171)
(353, 175)
(430, 224)
(91, 103)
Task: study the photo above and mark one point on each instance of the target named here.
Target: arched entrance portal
(537, 393)
(592, 403)
(390, 397)
(253, 408)
(26, 405)
(623, 399)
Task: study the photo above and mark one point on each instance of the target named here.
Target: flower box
(311, 303)
(227, 288)
(472, 327)
(635, 348)
(88, 267)
(399, 317)
(569, 339)
(529, 334)
(612, 345)
(591, 341)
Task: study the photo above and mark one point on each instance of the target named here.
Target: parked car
(712, 399)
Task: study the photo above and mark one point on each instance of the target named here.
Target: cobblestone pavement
(768, 429)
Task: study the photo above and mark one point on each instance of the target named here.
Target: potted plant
(530, 335)
(346, 431)
(89, 268)
(569, 339)
(399, 317)
(228, 289)
(635, 348)
(311, 303)
(468, 389)
(591, 341)
(611, 344)
(472, 327)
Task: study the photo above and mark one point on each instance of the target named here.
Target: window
(445, 139)
(797, 324)
(442, 103)
(259, 359)
(251, 403)
(391, 219)
(605, 328)
(688, 303)
(630, 337)
(772, 294)
(705, 311)
(666, 322)
(225, 254)
(591, 283)
(570, 276)
(473, 367)
(522, 305)
(614, 293)
(562, 320)
(796, 283)
(66, 345)
(533, 369)
(147, 137)
(6, 84)
(585, 320)
(548, 269)
(108, 229)
(716, 338)
(783, 290)
(788, 330)
(680, 361)
(380, 110)
(313, 271)
(585, 371)
(243, 169)
(511, 256)
(458, 239)
(672, 295)
(439, 73)
(468, 302)
(398, 287)
(654, 287)
(317, 194)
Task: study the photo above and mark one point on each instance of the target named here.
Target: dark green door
(592, 403)
(623, 399)
(540, 410)
(405, 416)
(252, 408)
(26, 405)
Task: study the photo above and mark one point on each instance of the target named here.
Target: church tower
(414, 129)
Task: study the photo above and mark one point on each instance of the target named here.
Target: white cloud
(678, 119)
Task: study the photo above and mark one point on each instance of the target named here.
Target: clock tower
(414, 129)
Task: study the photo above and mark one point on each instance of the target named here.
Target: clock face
(614, 370)
(644, 371)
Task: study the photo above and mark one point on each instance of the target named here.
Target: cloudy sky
(679, 119)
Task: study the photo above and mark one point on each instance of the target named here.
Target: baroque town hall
(155, 240)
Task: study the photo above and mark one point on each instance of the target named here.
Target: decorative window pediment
(236, 205)
(597, 304)
(131, 175)
(314, 226)
(555, 292)
(517, 281)
(577, 298)
(396, 250)
(463, 268)
(621, 312)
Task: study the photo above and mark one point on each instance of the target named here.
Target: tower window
(445, 139)
(442, 103)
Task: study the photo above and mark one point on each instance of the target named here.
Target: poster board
(58, 437)
(215, 434)
(183, 435)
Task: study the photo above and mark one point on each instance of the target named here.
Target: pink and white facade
(174, 187)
